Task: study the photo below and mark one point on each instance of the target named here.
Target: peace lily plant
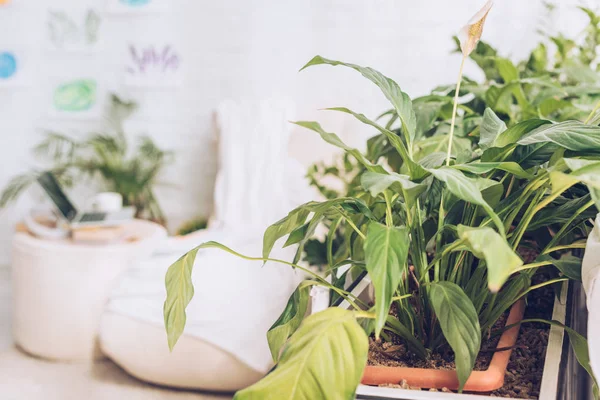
(439, 236)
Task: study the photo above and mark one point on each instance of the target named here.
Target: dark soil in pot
(524, 373)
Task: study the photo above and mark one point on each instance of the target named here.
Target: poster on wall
(153, 66)
(76, 98)
(137, 6)
(12, 69)
(73, 32)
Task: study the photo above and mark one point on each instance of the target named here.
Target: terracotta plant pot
(479, 381)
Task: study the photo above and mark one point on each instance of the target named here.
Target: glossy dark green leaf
(324, 359)
(568, 264)
(460, 324)
(386, 252)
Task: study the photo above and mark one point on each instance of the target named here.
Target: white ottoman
(60, 289)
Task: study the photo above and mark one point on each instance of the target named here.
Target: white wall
(241, 48)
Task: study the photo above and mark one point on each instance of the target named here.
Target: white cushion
(141, 350)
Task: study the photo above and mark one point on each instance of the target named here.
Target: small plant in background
(122, 168)
(451, 229)
(194, 225)
(64, 31)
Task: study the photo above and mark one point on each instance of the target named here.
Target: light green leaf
(290, 319)
(491, 127)
(400, 100)
(485, 243)
(460, 324)
(466, 189)
(386, 252)
(284, 226)
(334, 139)
(180, 291)
(324, 359)
(507, 69)
(572, 135)
(485, 167)
(416, 171)
(377, 183)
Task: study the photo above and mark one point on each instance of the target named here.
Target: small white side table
(60, 289)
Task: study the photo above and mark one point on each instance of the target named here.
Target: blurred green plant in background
(129, 170)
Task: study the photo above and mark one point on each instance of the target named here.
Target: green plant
(439, 237)
(132, 172)
(192, 226)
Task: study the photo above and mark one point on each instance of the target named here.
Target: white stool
(60, 289)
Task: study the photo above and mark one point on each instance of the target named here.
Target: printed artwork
(75, 96)
(153, 66)
(137, 6)
(8, 65)
(135, 3)
(69, 33)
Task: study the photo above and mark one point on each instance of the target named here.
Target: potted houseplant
(106, 155)
(451, 242)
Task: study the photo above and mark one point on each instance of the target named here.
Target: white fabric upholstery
(235, 301)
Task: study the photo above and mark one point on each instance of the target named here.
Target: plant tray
(479, 381)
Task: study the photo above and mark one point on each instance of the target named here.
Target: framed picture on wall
(137, 6)
(73, 31)
(153, 66)
(13, 68)
(75, 98)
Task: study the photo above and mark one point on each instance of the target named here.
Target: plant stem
(569, 222)
(389, 220)
(589, 118)
(451, 136)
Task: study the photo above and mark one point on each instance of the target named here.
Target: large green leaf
(416, 171)
(500, 259)
(485, 167)
(491, 127)
(335, 140)
(324, 359)
(568, 264)
(400, 100)
(572, 135)
(290, 319)
(460, 324)
(377, 183)
(284, 226)
(507, 69)
(386, 252)
(180, 291)
(516, 132)
(466, 189)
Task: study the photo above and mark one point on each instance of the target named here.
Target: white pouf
(194, 363)
(60, 289)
